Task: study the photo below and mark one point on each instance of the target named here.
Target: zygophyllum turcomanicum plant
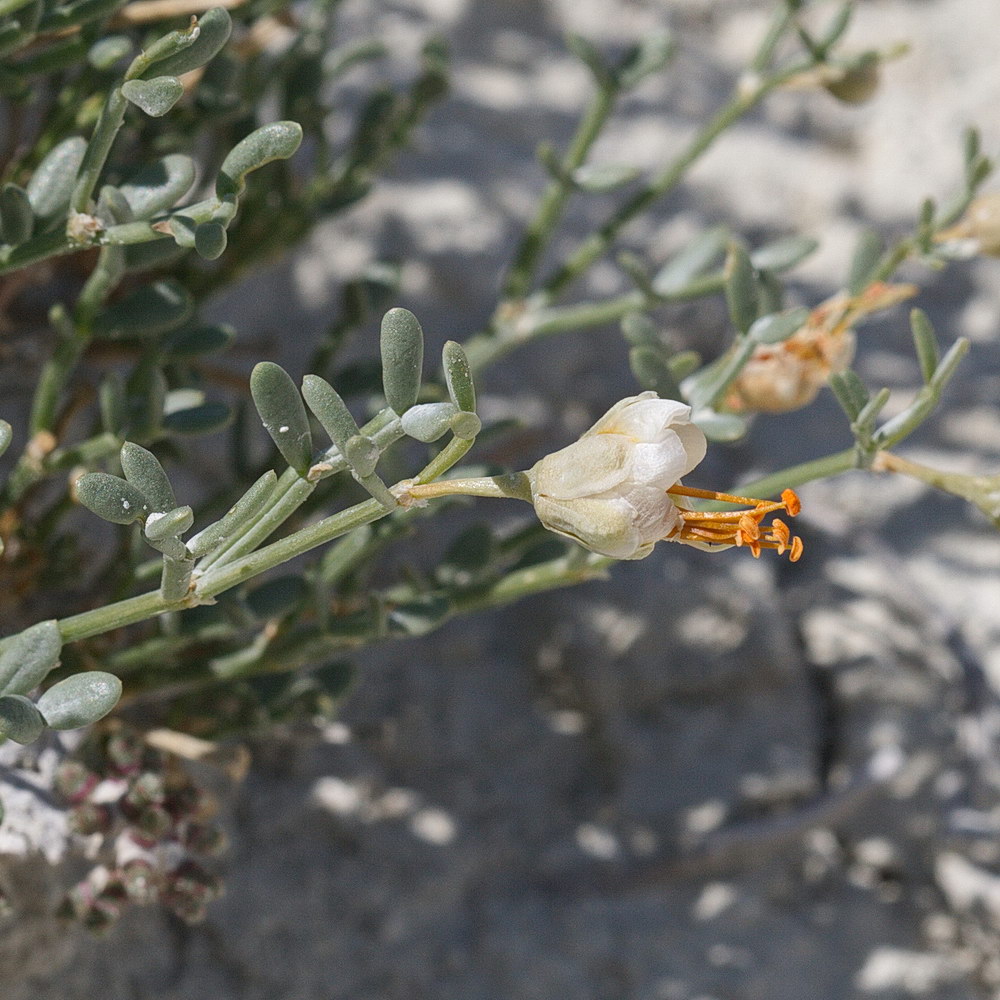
(132, 135)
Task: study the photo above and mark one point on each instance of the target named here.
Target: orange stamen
(739, 527)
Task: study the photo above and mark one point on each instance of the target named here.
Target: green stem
(539, 231)
(797, 475)
(237, 572)
(117, 615)
(514, 485)
(292, 491)
(105, 131)
(599, 242)
(451, 453)
(566, 571)
(506, 335)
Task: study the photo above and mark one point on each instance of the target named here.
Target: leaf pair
(25, 660)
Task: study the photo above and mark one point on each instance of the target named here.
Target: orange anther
(791, 501)
(796, 554)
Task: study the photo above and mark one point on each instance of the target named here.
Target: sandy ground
(705, 778)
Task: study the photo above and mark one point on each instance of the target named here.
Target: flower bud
(855, 84)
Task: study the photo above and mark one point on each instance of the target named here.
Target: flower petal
(603, 526)
(589, 466)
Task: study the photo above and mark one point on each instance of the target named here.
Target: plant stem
(797, 475)
(598, 243)
(117, 615)
(540, 229)
(223, 577)
(513, 485)
(105, 131)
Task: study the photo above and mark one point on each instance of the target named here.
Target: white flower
(608, 490)
(614, 490)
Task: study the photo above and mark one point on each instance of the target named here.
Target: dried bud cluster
(150, 819)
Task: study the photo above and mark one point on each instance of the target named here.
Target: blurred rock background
(705, 777)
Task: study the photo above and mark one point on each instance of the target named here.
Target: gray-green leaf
(429, 421)
(197, 341)
(210, 240)
(20, 721)
(783, 254)
(111, 497)
(214, 28)
(277, 141)
(245, 509)
(402, 342)
(169, 524)
(741, 288)
(777, 327)
(149, 310)
(330, 410)
(205, 418)
(691, 262)
(284, 416)
(104, 53)
(156, 97)
(143, 470)
(80, 700)
(51, 185)
(6, 436)
(27, 657)
(17, 221)
(650, 56)
(458, 375)
(159, 185)
(865, 262)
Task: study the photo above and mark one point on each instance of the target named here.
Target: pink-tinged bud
(786, 376)
(980, 224)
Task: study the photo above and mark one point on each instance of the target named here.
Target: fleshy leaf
(458, 375)
(27, 657)
(210, 240)
(284, 416)
(149, 310)
(214, 28)
(20, 721)
(245, 509)
(17, 221)
(111, 497)
(277, 141)
(777, 327)
(330, 410)
(156, 97)
(80, 700)
(691, 262)
(143, 470)
(402, 358)
(429, 421)
(160, 185)
(741, 288)
(783, 254)
(51, 185)
(169, 524)
(205, 418)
